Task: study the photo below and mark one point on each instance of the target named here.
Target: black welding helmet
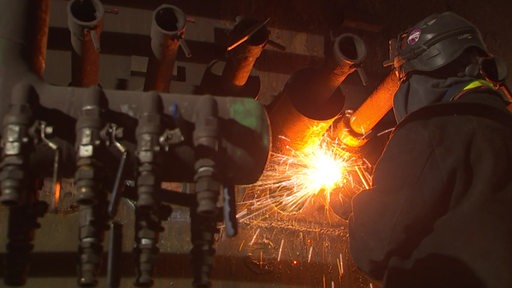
(433, 43)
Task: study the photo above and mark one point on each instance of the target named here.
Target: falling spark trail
(242, 213)
(280, 250)
(363, 176)
(241, 245)
(261, 260)
(341, 265)
(254, 237)
(310, 253)
(332, 284)
(325, 285)
(386, 131)
(221, 235)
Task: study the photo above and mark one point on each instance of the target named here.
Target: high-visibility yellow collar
(471, 85)
(478, 83)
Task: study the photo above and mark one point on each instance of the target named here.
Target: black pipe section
(115, 250)
(206, 142)
(18, 188)
(89, 181)
(203, 229)
(17, 146)
(21, 227)
(88, 146)
(85, 21)
(149, 130)
(92, 226)
(207, 189)
(148, 222)
(167, 31)
(148, 228)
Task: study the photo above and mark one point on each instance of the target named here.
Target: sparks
(280, 250)
(313, 171)
(322, 169)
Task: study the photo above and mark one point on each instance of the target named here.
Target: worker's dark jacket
(439, 213)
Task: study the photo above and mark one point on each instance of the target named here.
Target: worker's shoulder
(460, 109)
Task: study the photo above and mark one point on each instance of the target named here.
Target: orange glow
(56, 195)
(323, 172)
(292, 180)
(364, 119)
(376, 105)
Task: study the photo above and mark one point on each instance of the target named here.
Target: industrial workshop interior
(196, 143)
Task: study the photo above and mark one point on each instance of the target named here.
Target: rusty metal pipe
(311, 99)
(40, 38)
(32, 33)
(235, 76)
(167, 30)
(353, 128)
(85, 21)
(241, 59)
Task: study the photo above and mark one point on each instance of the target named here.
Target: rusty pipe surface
(235, 75)
(33, 32)
(85, 21)
(42, 19)
(167, 31)
(310, 100)
(241, 59)
(356, 125)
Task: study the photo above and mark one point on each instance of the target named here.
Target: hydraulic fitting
(148, 135)
(16, 146)
(88, 142)
(206, 145)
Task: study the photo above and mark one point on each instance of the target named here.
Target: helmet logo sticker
(414, 36)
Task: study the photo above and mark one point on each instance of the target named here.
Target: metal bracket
(113, 134)
(45, 131)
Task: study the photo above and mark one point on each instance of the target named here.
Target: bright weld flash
(313, 171)
(323, 170)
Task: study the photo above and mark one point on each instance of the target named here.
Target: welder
(439, 211)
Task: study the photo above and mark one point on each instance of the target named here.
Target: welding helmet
(433, 43)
